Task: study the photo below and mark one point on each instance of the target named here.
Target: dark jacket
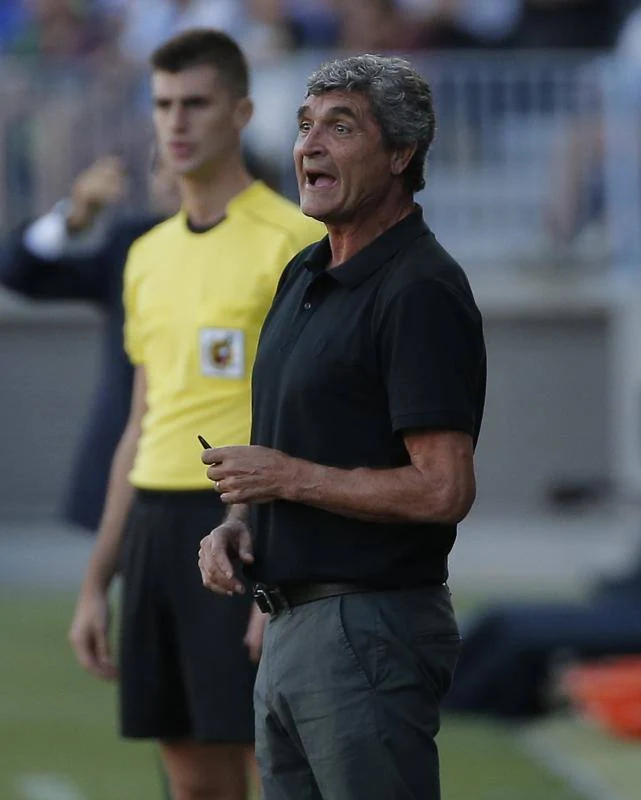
(96, 278)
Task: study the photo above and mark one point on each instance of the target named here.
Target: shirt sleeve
(47, 237)
(432, 357)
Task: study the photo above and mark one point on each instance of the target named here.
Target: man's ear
(401, 158)
(243, 113)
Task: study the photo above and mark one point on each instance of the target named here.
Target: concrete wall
(48, 363)
(547, 417)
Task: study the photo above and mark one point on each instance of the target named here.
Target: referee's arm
(89, 632)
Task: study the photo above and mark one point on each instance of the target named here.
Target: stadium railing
(536, 156)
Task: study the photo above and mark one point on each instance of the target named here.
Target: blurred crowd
(80, 65)
(98, 30)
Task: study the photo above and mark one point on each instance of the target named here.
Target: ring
(217, 486)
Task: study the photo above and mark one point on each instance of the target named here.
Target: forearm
(104, 560)
(404, 494)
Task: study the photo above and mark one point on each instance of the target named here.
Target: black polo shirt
(348, 359)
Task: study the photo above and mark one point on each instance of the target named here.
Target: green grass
(58, 724)
(484, 761)
(55, 720)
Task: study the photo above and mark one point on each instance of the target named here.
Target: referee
(196, 290)
(368, 394)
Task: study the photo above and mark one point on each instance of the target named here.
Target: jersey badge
(222, 352)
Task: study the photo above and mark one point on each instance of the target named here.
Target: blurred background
(534, 184)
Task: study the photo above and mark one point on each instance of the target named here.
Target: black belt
(274, 599)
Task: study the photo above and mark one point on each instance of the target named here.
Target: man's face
(197, 120)
(342, 165)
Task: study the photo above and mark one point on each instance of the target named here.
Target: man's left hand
(249, 473)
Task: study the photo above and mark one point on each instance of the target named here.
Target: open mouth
(319, 180)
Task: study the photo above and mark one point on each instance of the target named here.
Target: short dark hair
(400, 100)
(205, 47)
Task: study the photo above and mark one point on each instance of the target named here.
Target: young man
(197, 289)
(368, 394)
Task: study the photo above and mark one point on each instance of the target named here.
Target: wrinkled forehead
(336, 102)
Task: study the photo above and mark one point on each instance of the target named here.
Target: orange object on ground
(609, 692)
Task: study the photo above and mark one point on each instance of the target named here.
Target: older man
(368, 393)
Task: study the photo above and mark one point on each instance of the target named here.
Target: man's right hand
(89, 635)
(229, 540)
(102, 184)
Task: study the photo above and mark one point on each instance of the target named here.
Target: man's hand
(231, 539)
(250, 474)
(89, 636)
(104, 183)
(254, 635)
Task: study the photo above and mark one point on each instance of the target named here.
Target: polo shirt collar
(365, 263)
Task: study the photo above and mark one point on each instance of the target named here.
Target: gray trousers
(347, 696)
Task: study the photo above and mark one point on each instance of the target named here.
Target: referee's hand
(89, 636)
(231, 539)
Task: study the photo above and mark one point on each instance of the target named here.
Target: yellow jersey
(194, 307)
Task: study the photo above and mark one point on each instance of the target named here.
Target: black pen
(204, 442)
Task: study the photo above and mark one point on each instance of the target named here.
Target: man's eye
(304, 127)
(340, 128)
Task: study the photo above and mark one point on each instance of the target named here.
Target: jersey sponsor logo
(222, 352)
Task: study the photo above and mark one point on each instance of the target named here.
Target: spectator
(147, 23)
(267, 33)
(464, 23)
(312, 23)
(58, 32)
(566, 24)
(12, 20)
(74, 253)
(375, 26)
(579, 167)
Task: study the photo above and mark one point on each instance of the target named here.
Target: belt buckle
(263, 599)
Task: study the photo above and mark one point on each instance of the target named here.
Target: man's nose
(313, 143)
(178, 118)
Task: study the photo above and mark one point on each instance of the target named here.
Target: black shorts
(184, 670)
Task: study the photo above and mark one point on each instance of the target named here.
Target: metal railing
(536, 156)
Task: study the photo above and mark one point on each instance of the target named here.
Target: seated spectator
(147, 23)
(74, 253)
(378, 26)
(267, 33)
(511, 651)
(13, 16)
(464, 23)
(566, 24)
(312, 24)
(578, 197)
(57, 32)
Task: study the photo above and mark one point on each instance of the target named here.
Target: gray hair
(400, 101)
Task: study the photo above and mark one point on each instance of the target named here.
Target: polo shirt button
(307, 306)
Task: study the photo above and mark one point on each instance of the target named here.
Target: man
(197, 289)
(368, 392)
(69, 254)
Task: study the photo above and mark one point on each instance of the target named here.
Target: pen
(204, 442)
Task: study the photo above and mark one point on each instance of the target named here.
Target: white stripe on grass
(39, 786)
(576, 771)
